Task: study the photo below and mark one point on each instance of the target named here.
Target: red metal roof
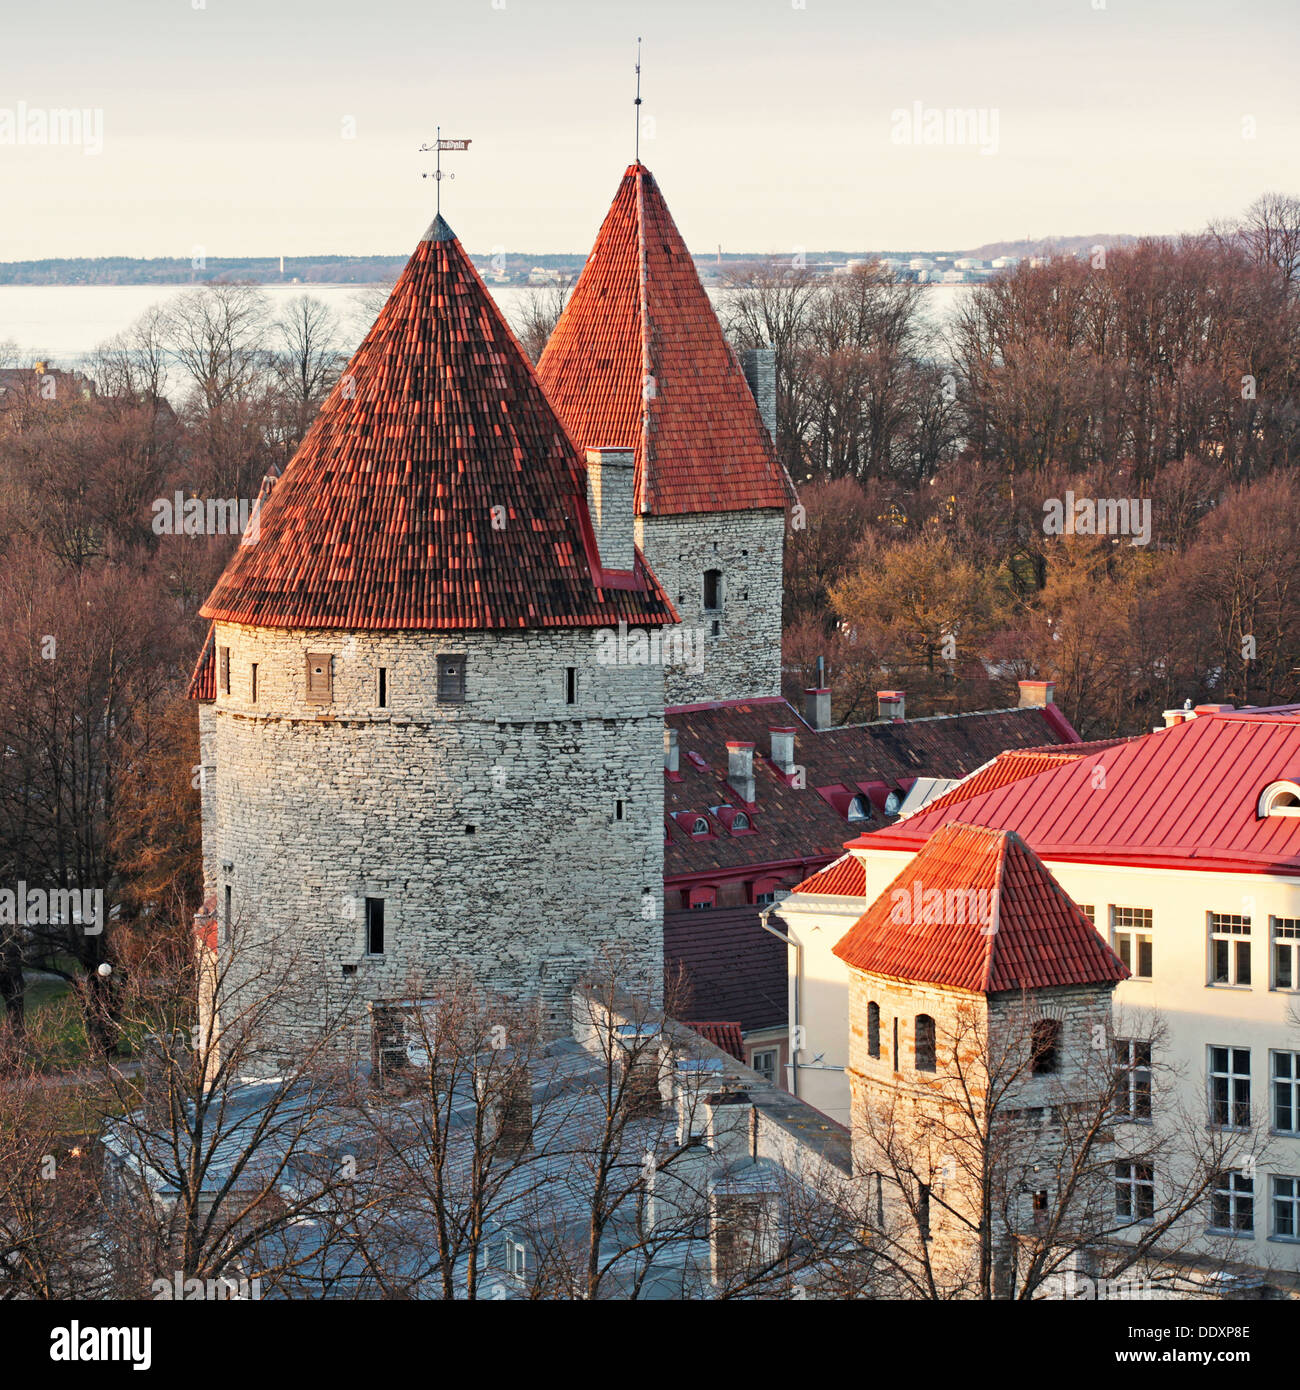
(639, 361)
(846, 876)
(1005, 768)
(977, 910)
(436, 489)
(1185, 797)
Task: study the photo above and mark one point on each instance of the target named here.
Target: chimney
(609, 500)
(641, 1049)
(740, 769)
(783, 749)
(693, 1079)
(1037, 694)
(889, 704)
(759, 365)
(670, 751)
(817, 707)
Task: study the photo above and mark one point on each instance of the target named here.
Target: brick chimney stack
(609, 500)
(889, 704)
(1037, 694)
(740, 769)
(817, 707)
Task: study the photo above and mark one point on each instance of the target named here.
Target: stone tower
(638, 361)
(979, 1055)
(417, 754)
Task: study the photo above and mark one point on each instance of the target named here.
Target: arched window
(699, 826)
(1279, 799)
(713, 589)
(924, 1043)
(859, 809)
(892, 804)
(873, 1029)
(1046, 1039)
(740, 821)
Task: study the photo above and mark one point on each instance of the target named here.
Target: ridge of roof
(639, 361)
(436, 489)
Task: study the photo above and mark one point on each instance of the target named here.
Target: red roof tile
(639, 361)
(846, 877)
(1185, 797)
(1020, 930)
(727, 1036)
(203, 683)
(436, 490)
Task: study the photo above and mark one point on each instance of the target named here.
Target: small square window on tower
(320, 678)
(451, 679)
(374, 926)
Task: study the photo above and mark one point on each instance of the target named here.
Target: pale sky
(768, 126)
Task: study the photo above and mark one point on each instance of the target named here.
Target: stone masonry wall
(491, 828)
(744, 660)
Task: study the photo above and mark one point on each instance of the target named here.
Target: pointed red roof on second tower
(978, 910)
(436, 489)
(638, 361)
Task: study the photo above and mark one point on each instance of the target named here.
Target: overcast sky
(768, 126)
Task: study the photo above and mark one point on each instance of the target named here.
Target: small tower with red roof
(418, 756)
(639, 361)
(980, 1052)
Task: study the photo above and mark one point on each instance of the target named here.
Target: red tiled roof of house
(436, 489)
(805, 828)
(638, 361)
(1186, 797)
(846, 877)
(727, 1036)
(203, 683)
(977, 910)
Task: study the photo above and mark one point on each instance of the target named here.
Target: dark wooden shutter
(320, 678)
(223, 669)
(451, 679)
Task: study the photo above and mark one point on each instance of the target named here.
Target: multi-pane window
(516, 1260)
(765, 1063)
(1089, 911)
(1130, 934)
(1230, 1087)
(1135, 1191)
(1232, 1203)
(1286, 947)
(1133, 1084)
(1286, 1092)
(873, 1029)
(924, 1043)
(1286, 1208)
(1229, 948)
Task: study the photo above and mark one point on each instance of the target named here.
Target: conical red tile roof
(1019, 930)
(638, 361)
(436, 490)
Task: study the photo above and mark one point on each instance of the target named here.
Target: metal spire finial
(439, 145)
(638, 99)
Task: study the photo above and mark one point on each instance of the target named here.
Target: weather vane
(439, 144)
(638, 99)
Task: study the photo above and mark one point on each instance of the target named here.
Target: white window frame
(1284, 937)
(516, 1258)
(1286, 1084)
(1132, 1180)
(1287, 1202)
(773, 1055)
(1129, 927)
(1235, 1080)
(1228, 933)
(1133, 1066)
(1239, 1189)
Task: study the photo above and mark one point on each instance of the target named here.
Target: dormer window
(892, 804)
(740, 821)
(1279, 799)
(699, 826)
(858, 809)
